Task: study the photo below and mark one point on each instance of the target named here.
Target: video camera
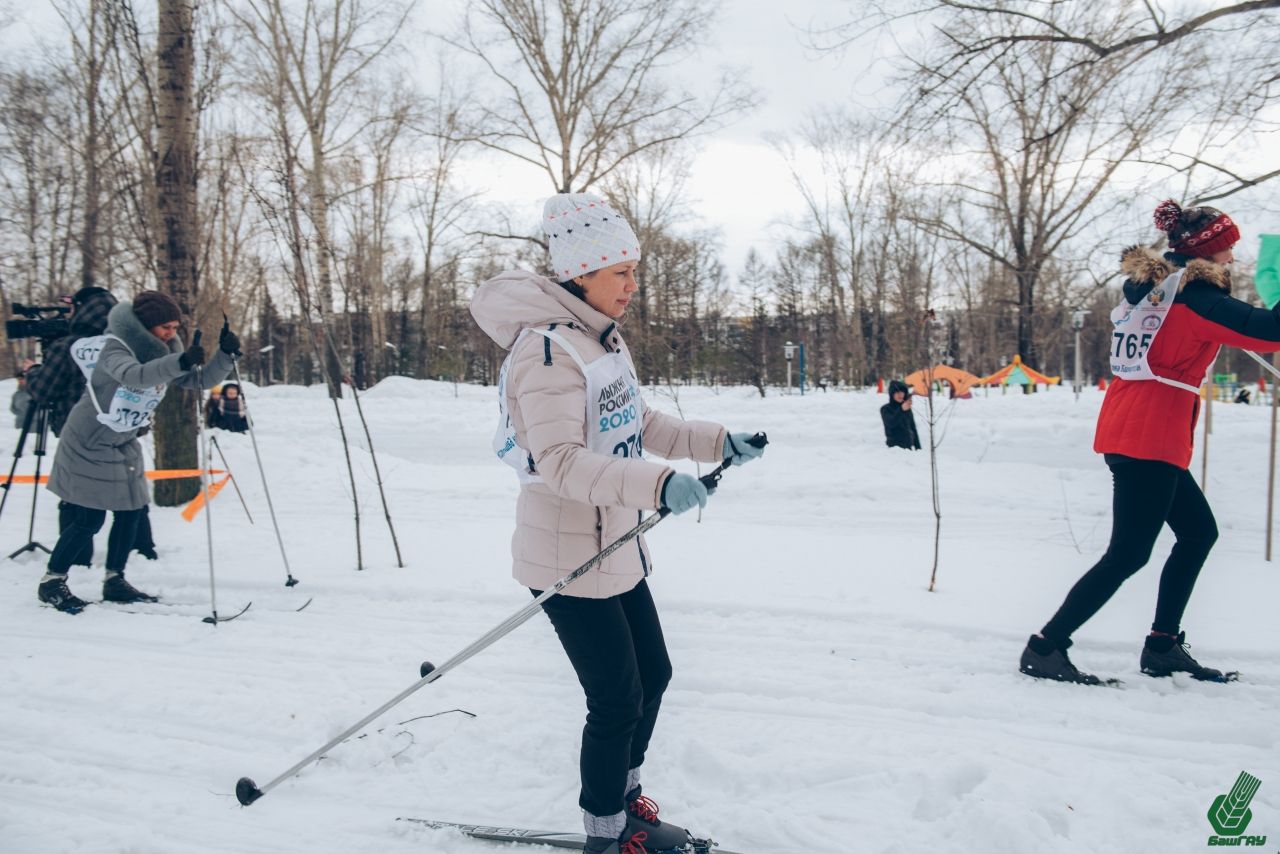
(45, 322)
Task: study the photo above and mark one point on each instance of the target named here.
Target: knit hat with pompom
(1201, 231)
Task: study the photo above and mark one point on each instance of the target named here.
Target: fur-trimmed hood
(126, 326)
(1144, 269)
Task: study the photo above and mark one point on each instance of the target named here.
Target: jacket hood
(898, 385)
(511, 302)
(1144, 269)
(91, 315)
(125, 325)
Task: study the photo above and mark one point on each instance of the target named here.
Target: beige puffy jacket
(586, 500)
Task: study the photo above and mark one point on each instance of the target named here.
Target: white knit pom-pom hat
(585, 234)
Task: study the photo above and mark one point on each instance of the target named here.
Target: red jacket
(1150, 420)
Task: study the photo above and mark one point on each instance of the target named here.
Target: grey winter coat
(94, 465)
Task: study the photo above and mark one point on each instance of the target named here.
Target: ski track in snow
(823, 700)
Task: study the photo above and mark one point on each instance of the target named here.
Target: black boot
(642, 817)
(1044, 659)
(630, 843)
(116, 589)
(56, 593)
(1164, 655)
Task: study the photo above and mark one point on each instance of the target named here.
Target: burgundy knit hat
(154, 308)
(1199, 231)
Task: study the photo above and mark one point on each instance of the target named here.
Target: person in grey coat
(98, 465)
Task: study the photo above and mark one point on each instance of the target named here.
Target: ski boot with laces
(56, 593)
(117, 589)
(1044, 659)
(642, 819)
(629, 843)
(1164, 655)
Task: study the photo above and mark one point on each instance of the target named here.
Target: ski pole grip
(195, 339)
(759, 440)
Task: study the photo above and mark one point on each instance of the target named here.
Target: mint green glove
(683, 492)
(738, 451)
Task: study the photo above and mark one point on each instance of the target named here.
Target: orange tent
(1016, 373)
(960, 381)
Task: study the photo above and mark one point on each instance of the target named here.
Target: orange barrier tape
(154, 474)
(197, 504)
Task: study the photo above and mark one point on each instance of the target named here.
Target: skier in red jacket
(1176, 314)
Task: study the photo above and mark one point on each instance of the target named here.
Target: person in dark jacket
(98, 465)
(229, 410)
(1176, 314)
(21, 401)
(899, 423)
(59, 383)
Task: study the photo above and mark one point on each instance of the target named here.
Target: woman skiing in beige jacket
(575, 428)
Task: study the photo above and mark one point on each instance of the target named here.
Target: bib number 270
(1131, 345)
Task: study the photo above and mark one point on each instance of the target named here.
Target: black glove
(193, 357)
(228, 341)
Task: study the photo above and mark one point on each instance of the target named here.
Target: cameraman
(59, 383)
(899, 423)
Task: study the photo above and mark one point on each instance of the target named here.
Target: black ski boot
(642, 819)
(1164, 655)
(1044, 659)
(630, 843)
(116, 589)
(56, 593)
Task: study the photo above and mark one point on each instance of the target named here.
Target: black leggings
(79, 524)
(618, 651)
(1147, 494)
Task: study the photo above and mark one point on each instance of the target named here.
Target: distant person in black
(899, 423)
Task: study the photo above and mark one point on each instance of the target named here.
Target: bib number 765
(1131, 345)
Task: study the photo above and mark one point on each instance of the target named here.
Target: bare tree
(309, 68)
(1049, 135)
(580, 83)
(178, 237)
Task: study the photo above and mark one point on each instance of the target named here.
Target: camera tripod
(37, 423)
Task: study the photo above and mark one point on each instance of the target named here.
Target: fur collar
(124, 324)
(1144, 267)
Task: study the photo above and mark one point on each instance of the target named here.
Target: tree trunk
(178, 236)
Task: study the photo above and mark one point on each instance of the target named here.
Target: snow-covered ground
(823, 700)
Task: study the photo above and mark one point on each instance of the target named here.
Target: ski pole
(1261, 361)
(213, 443)
(204, 483)
(266, 490)
(247, 791)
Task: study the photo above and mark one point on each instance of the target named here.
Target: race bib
(131, 408)
(614, 410)
(1135, 328)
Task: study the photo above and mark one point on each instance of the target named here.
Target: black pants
(142, 537)
(618, 651)
(1147, 494)
(79, 524)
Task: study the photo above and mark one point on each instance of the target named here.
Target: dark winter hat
(1200, 231)
(154, 309)
(82, 296)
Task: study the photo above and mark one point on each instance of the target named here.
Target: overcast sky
(740, 185)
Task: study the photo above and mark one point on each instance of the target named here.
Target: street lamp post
(789, 352)
(1077, 323)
